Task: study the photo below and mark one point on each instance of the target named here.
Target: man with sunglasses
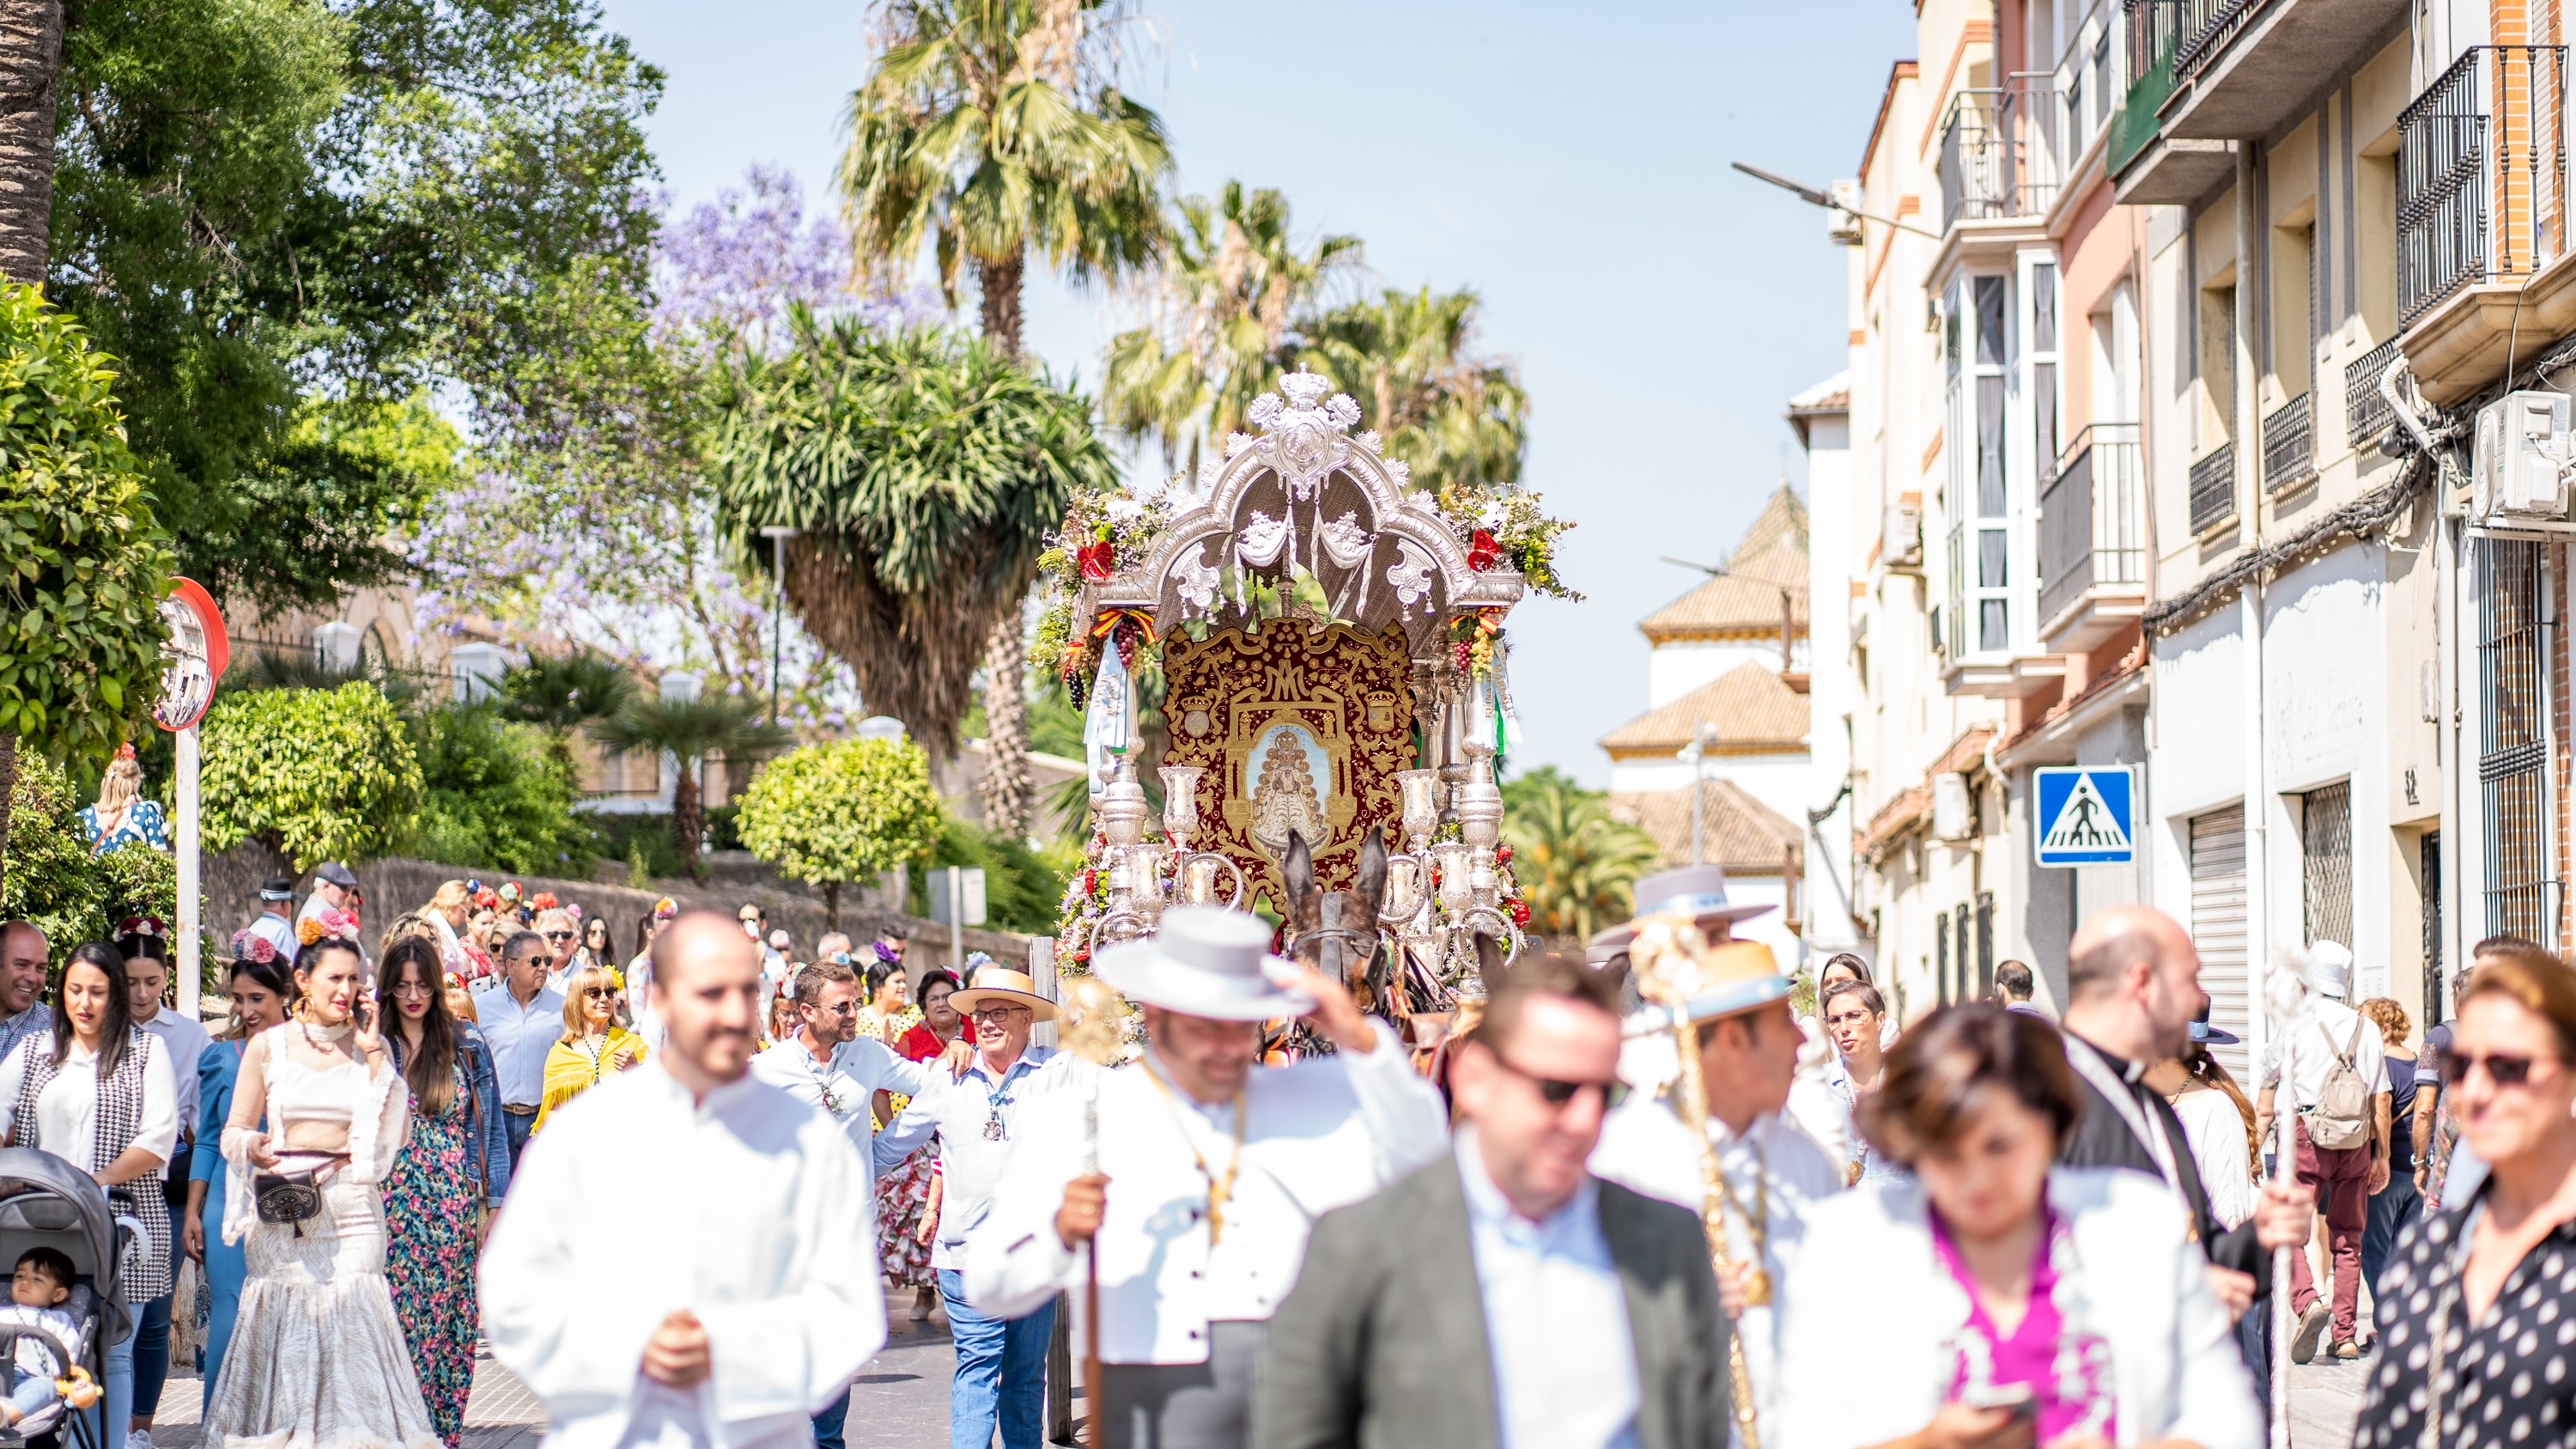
(826, 1062)
(1000, 1379)
(1774, 1172)
(1505, 1295)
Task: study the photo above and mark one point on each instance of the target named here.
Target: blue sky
(1569, 162)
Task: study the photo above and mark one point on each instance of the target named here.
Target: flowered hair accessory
(250, 946)
(545, 901)
(125, 751)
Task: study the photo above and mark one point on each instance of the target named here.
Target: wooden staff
(1712, 1215)
(1092, 1027)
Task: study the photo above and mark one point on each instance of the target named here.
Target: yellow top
(574, 1067)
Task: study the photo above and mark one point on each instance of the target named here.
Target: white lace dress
(317, 1358)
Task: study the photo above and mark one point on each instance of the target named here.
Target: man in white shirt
(24, 958)
(1505, 1296)
(827, 1064)
(2327, 1037)
(521, 1021)
(1001, 1363)
(1774, 1173)
(757, 1303)
(1210, 1170)
(276, 923)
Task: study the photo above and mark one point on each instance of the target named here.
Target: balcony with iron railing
(2092, 539)
(2213, 489)
(2366, 413)
(2289, 445)
(2481, 174)
(2000, 154)
(2205, 72)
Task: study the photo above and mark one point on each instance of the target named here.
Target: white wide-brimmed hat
(1204, 961)
(1009, 987)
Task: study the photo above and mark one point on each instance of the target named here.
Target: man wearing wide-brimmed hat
(1748, 1056)
(1211, 1170)
(1000, 1379)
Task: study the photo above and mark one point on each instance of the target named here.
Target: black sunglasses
(1557, 1093)
(2504, 1071)
(597, 993)
(559, 935)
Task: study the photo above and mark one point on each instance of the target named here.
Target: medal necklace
(1220, 1189)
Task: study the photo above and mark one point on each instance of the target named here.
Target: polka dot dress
(2509, 1381)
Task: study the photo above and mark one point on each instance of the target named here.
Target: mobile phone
(2016, 1397)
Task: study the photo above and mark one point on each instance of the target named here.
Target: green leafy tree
(561, 693)
(83, 565)
(925, 471)
(1453, 417)
(52, 878)
(847, 811)
(693, 731)
(287, 218)
(309, 775)
(1574, 862)
(494, 795)
(1022, 887)
(986, 128)
(1232, 288)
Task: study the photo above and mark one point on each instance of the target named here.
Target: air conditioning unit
(1954, 812)
(1900, 541)
(1842, 219)
(2519, 465)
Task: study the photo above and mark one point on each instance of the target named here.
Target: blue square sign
(2084, 817)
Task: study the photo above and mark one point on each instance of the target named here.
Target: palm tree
(31, 67)
(560, 693)
(1232, 289)
(693, 731)
(1454, 418)
(1574, 862)
(925, 471)
(987, 127)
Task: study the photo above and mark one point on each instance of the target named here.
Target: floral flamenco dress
(432, 1207)
(903, 1194)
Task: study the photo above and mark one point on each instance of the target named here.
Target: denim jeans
(151, 1354)
(2396, 1205)
(518, 1125)
(116, 1405)
(827, 1424)
(1001, 1372)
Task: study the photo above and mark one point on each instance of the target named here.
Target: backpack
(2341, 1117)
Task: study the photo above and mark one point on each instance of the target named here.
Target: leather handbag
(292, 1196)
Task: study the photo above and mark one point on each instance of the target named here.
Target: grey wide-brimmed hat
(1699, 890)
(1204, 961)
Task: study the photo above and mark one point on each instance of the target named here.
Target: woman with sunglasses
(454, 1163)
(2477, 1359)
(1992, 1299)
(908, 1194)
(593, 1044)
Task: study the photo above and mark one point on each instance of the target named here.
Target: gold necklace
(1220, 1189)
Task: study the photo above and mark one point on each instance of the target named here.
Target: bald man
(2132, 989)
(24, 957)
(759, 1299)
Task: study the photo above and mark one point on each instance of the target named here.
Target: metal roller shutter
(2218, 924)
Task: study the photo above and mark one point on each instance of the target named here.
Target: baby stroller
(45, 1202)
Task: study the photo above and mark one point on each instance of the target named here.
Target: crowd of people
(1998, 1226)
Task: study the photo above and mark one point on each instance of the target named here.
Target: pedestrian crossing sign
(2085, 817)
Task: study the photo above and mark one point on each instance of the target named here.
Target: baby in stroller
(46, 1376)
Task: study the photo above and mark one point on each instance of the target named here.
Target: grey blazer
(1381, 1345)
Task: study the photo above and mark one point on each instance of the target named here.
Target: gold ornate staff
(1667, 958)
(1090, 1023)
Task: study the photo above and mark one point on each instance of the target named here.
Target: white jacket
(1876, 1310)
(1318, 1135)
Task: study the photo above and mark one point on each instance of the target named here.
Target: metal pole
(189, 927)
(777, 619)
(1699, 787)
(957, 921)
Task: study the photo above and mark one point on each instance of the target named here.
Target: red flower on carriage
(1520, 911)
(1098, 560)
(1482, 551)
(1502, 855)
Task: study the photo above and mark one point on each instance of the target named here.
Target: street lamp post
(1696, 752)
(777, 534)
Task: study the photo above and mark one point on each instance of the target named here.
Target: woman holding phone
(1998, 1302)
(317, 1356)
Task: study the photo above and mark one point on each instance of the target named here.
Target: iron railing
(2000, 154)
(2149, 30)
(2481, 174)
(2522, 892)
(2366, 413)
(2091, 530)
(2289, 445)
(2213, 489)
